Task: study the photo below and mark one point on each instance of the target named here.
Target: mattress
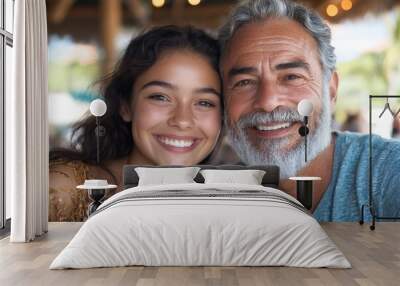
(201, 225)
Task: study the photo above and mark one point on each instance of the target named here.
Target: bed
(201, 223)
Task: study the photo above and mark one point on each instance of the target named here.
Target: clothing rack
(370, 204)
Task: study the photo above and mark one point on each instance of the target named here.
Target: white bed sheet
(189, 231)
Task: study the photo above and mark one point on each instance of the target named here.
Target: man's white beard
(271, 151)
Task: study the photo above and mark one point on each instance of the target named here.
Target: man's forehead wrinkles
(250, 61)
(271, 51)
(256, 58)
(278, 40)
(270, 40)
(266, 51)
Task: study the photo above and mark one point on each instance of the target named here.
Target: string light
(158, 3)
(346, 5)
(332, 10)
(194, 2)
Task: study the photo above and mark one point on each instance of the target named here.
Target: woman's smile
(178, 144)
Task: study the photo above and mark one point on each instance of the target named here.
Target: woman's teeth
(177, 143)
(273, 127)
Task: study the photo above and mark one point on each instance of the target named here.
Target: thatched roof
(102, 19)
(210, 13)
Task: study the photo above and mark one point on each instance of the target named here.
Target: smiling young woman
(176, 110)
(164, 107)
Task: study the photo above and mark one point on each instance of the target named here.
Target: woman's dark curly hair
(141, 53)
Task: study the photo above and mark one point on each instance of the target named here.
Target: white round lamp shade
(305, 107)
(98, 107)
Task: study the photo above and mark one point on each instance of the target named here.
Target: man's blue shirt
(348, 188)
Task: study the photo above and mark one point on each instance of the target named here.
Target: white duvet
(228, 230)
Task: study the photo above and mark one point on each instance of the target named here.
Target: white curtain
(26, 124)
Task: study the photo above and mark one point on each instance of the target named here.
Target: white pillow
(248, 177)
(163, 176)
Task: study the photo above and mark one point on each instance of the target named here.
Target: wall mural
(175, 95)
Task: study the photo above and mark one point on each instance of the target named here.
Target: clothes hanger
(387, 106)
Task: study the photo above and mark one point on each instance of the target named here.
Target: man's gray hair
(251, 11)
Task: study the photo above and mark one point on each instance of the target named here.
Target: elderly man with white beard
(274, 54)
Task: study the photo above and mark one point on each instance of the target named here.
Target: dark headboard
(270, 179)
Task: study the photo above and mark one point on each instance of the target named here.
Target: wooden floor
(374, 255)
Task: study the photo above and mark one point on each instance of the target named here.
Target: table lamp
(305, 184)
(305, 109)
(98, 108)
(97, 188)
